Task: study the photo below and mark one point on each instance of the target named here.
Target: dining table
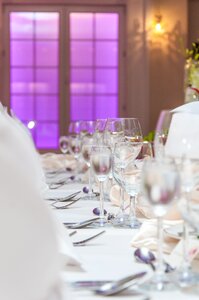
(109, 257)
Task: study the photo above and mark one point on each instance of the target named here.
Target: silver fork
(83, 242)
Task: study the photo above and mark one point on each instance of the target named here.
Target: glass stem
(101, 203)
(132, 212)
(160, 267)
(89, 182)
(122, 206)
(186, 264)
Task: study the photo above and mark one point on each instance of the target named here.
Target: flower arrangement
(192, 73)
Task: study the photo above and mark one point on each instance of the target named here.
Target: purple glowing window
(94, 65)
(34, 69)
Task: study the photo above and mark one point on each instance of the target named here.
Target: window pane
(81, 25)
(46, 81)
(81, 81)
(106, 54)
(47, 25)
(106, 81)
(47, 108)
(21, 25)
(108, 102)
(23, 107)
(107, 25)
(81, 108)
(17, 50)
(22, 80)
(46, 135)
(81, 53)
(46, 53)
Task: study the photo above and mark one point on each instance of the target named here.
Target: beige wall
(154, 68)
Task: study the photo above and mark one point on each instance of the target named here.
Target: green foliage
(150, 136)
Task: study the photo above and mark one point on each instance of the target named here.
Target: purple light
(94, 61)
(34, 73)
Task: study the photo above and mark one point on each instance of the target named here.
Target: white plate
(176, 231)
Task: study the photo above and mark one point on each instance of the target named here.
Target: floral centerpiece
(192, 73)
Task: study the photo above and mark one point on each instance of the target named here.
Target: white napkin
(143, 209)
(147, 236)
(53, 161)
(29, 260)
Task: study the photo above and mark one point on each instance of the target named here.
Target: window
(60, 74)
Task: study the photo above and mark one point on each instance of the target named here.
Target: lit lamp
(158, 24)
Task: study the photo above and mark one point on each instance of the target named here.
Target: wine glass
(87, 127)
(101, 165)
(160, 184)
(99, 131)
(132, 130)
(189, 208)
(74, 128)
(64, 144)
(161, 132)
(113, 132)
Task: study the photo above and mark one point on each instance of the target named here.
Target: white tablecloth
(108, 257)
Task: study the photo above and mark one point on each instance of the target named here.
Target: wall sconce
(158, 27)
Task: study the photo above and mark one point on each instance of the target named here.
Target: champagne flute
(87, 144)
(101, 165)
(75, 147)
(160, 185)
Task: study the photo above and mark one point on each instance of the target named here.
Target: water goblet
(124, 153)
(132, 178)
(160, 184)
(101, 165)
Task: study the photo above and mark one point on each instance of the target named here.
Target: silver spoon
(144, 255)
(116, 287)
(81, 224)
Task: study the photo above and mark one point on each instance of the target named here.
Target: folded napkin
(53, 161)
(147, 236)
(143, 209)
(29, 260)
